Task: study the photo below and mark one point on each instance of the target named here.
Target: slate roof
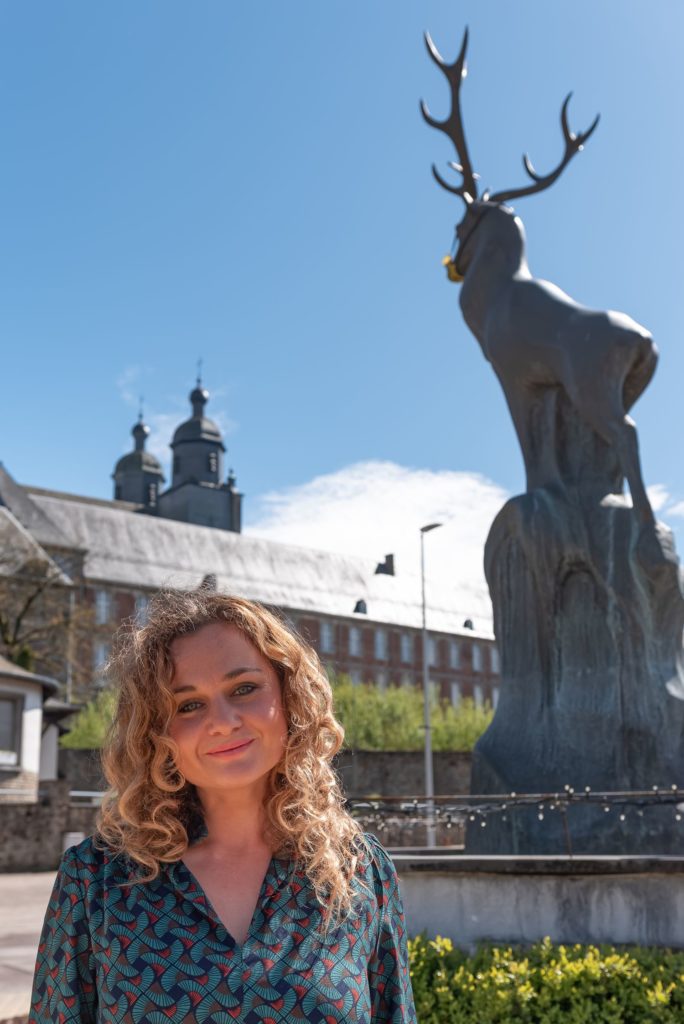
(8, 670)
(19, 547)
(14, 497)
(147, 552)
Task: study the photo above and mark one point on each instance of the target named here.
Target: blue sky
(250, 183)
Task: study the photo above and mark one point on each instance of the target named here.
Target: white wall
(48, 753)
(32, 720)
(646, 908)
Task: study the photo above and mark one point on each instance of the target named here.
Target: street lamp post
(429, 777)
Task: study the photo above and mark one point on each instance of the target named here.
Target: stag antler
(573, 145)
(452, 126)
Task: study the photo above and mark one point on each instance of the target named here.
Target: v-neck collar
(191, 888)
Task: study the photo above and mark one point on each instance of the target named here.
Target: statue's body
(535, 336)
(585, 586)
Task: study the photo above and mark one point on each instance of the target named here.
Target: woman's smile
(236, 748)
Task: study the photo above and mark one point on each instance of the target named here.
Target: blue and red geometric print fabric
(116, 952)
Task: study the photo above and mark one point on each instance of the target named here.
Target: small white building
(28, 733)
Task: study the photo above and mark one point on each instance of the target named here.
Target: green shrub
(392, 719)
(546, 984)
(90, 725)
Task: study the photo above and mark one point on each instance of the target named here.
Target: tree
(42, 627)
(392, 719)
(90, 726)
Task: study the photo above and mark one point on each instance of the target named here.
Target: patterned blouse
(114, 951)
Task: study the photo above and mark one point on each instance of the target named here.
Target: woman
(225, 881)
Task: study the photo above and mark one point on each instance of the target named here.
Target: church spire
(198, 493)
(140, 431)
(138, 475)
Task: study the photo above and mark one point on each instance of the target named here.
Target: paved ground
(23, 899)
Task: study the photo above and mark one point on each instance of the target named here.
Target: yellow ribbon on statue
(452, 272)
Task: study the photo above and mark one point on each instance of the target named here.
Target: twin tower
(197, 494)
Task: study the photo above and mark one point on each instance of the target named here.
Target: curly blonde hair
(150, 811)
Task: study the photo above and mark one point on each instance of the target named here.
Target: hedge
(546, 984)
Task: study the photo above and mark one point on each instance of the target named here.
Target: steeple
(138, 475)
(199, 397)
(197, 493)
(197, 445)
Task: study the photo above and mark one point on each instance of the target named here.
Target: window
(152, 495)
(100, 655)
(117, 492)
(381, 647)
(455, 694)
(477, 658)
(213, 462)
(176, 463)
(495, 696)
(103, 607)
(141, 605)
(477, 696)
(355, 676)
(433, 651)
(355, 641)
(494, 660)
(406, 648)
(407, 680)
(327, 637)
(10, 730)
(454, 654)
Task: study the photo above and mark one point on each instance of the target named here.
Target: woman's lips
(229, 751)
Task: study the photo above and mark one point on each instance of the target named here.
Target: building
(363, 618)
(29, 730)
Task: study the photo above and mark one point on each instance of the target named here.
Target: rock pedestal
(588, 615)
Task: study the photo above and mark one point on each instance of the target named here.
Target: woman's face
(229, 723)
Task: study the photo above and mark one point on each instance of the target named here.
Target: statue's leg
(626, 443)
(605, 414)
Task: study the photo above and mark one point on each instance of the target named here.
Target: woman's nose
(224, 716)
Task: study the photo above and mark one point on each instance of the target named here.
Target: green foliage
(89, 727)
(25, 658)
(392, 719)
(546, 984)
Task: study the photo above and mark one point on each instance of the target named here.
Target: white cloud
(372, 508)
(659, 496)
(127, 385)
(676, 510)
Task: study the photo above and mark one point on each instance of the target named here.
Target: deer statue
(536, 337)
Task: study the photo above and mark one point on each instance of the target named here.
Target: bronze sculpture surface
(585, 586)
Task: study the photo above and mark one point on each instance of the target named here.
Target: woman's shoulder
(91, 859)
(377, 861)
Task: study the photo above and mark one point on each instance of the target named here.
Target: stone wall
(401, 773)
(19, 785)
(363, 772)
(31, 834)
(82, 768)
(625, 900)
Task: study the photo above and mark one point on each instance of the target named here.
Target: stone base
(588, 615)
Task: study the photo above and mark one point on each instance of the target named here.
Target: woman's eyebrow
(229, 675)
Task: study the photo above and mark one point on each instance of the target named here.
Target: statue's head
(484, 220)
(478, 209)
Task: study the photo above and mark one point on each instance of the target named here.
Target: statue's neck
(495, 264)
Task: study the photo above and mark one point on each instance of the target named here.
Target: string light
(406, 813)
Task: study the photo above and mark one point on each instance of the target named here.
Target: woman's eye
(189, 706)
(244, 688)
